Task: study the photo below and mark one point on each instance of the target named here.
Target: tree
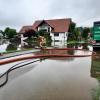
(30, 33)
(41, 33)
(72, 35)
(72, 27)
(2, 33)
(10, 33)
(77, 33)
(46, 35)
(86, 30)
(11, 47)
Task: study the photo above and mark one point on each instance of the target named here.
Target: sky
(17, 13)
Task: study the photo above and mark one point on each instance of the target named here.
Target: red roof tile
(26, 28)
(59, 25)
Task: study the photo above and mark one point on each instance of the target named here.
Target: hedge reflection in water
(95, 73)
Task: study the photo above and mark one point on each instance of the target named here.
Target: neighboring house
(58, 28)
(27, 31)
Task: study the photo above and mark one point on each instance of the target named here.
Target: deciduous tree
(10, 33)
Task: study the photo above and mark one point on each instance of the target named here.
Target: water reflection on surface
(95, 73)
(53, 79)
(56, 78)
(13, 45)
(95, 66)
(63, 52)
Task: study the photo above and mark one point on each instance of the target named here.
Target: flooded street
(53, 79)
(48, 52)
(64, 78)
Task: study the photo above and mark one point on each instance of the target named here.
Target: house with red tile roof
(58, 28)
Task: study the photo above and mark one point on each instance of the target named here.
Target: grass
(74, 42)
(12, 51)
(96, 93)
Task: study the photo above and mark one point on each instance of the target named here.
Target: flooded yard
(9, 45)
(60, 78)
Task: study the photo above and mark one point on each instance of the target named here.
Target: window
(48, 29)
(45, 30)
(56, 40)
(56, 34)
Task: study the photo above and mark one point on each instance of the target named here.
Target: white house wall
(22, 40)
(44, 26)
(61, 38)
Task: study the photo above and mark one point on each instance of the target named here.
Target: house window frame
(56, 34)
(56, 40)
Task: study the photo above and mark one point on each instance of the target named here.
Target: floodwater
(55, 79)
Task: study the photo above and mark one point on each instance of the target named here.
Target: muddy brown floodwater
(53, 79)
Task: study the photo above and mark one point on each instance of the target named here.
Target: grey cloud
(17, 13)
(79, 10)
(21, 11)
